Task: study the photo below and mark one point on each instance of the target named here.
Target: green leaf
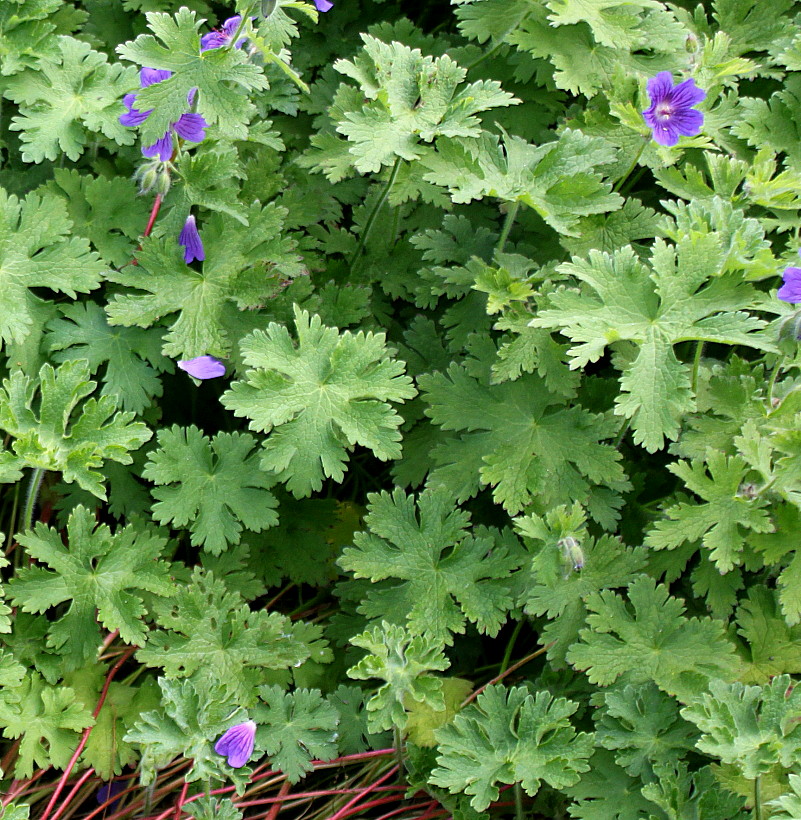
(656, 307)
(447, 575)
(37, 251)
(101, 574)
(409, 98)
(510, 736)
(773, 647)
(212, 486)
(722, 522)
(751, 727)
(404, 662)
(652, 641)
(48, 721)
(52, 440)
(245, 264)
(68, 97)
(220, 75)
(518, 438)
(697, 795)
(25, 34)
(295, 729)
(132, 357)
(643, 727)
(559, 180)
(789, 803)
(210, 633)
(319, 399)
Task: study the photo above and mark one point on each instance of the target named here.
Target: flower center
(664, 111)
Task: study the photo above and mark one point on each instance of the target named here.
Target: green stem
(633, 165)
(699, 352)
(12, 527)
(622, 432)
(242, 23)
(34, 485)
(398, 751)
(518, 790)
(374, 213)
(507, 656)
(777, 368)
(757, 799)
(511, 214)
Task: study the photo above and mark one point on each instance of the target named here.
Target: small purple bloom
(190, 239)
(189, 126)
(671, 114)
(218, 39)
(237, 743)
(790, 291)
(323, 5)
(205, 367)
(109, 790)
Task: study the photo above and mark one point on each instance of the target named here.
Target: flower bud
(571, 552)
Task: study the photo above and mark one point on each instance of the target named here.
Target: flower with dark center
(671, 114)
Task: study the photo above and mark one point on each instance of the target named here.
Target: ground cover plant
(400, 409)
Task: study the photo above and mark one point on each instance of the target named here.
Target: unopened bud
(146, 179)
(691, 43)
(571, 552)
(748, 491)
(164, 182)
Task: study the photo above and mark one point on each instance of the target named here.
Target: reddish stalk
(282, 794)
(513, 668)
(154, 212)
(100, 701)
(19, 787)
(343, 812)
(180, 803)
(75, 789)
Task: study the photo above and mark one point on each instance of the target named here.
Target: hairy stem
(34, 485)
(507, 655)
(374, 213)
(619, 183)
(699, 352)
(511, 215)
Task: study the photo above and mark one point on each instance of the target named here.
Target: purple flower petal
(161, 148)
(231, 25)
(790, 291)
(671, 113)
(149, 76)
(323, 5)
(214, 39)
(237, 743)
(133, 115)
(207, 367)
(191, 127)
(190, 239)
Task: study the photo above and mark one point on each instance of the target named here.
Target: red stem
(75, 789)
(100, 701)
(343, 812)
(154, 212)
(180, 803)
(282, 794)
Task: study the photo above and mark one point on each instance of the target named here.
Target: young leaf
(48, 721)
(446, 575)
(211, 634)
(295, 728)
(752, 727)
(319, 399)
(510, 736)
(100, 574)
(213, 486)
(67, 97)
(409, 98)
(51, 440)
(404, 662)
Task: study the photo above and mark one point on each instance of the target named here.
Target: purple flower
(206, 367)
(790, 291)
(190, 239)
(323, 5)
(671, 113)
(218, 39)
(237, 743)
(188, 126)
